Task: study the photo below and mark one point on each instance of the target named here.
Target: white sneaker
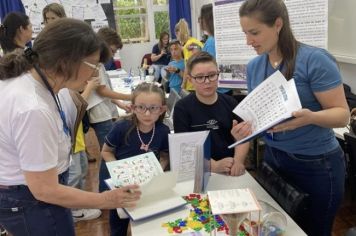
(85, 214)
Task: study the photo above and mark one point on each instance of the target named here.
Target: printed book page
(270, 103)
(138, 169)
(157, 197)
(233, 201)
(184, 152)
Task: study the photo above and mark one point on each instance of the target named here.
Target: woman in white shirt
(35, 138)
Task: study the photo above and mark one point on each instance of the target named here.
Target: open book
(270, 103)
(156, 186)
(231, 201)
(189, 155)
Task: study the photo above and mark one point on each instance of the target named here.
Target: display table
(153, 226)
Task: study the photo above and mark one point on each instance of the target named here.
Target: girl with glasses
(142, 132)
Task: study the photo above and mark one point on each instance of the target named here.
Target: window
(136, 25)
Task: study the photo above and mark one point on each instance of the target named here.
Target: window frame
(149, 25)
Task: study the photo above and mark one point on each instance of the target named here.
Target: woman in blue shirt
(304, 150)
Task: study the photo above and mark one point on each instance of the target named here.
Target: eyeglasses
(202, 78)
(154, 109)
(95, 67)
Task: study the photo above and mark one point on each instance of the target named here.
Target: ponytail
(15, 64)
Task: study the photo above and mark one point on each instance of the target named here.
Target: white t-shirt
(32, 136)
(105, 110)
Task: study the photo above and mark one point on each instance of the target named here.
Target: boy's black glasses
(202, 78)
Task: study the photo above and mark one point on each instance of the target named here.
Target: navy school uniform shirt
(192, 115)
(116, 139)
(164, 60)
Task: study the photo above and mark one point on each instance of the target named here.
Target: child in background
(114, 42)
(175, 68)
(101, 115)
(140, 133)
(78, 168)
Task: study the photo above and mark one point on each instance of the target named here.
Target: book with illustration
(156, 186)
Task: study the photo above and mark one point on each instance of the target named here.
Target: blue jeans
(101, 130)
(78, 170)
(157, 71)
(23, 215)
(321, 176)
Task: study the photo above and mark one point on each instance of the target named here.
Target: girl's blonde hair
(184, 32)
(144, 88)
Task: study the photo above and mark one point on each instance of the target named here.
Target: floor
(345, 219)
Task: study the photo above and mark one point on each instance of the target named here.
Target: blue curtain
(7, 6)
(179, 9)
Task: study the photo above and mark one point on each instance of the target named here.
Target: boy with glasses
(208, 110)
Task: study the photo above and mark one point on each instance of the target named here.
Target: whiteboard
(342, 30)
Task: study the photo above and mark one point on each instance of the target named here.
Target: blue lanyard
(56, 100)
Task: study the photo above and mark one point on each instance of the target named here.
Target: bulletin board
(90, 11)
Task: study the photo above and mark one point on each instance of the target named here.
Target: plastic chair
(147, 56)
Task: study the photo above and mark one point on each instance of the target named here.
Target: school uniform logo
(210, 124)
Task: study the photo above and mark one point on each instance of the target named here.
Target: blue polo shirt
(315, 71)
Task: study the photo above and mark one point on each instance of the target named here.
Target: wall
(131, 55)
(348, 72)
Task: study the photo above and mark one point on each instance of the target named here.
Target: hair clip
(2, 27)
(29, 54)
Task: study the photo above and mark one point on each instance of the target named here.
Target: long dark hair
(60, 48)
(160, 43)
(9, 28)
(267, 12)
(144, 88)
(207, 18)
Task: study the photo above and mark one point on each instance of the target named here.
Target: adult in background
(303, 150)
(183, 35)
(206, 20)
(160, 56)
(15, 31)
(52, 12)
(35, 139)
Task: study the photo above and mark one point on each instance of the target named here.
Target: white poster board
(309, 22)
